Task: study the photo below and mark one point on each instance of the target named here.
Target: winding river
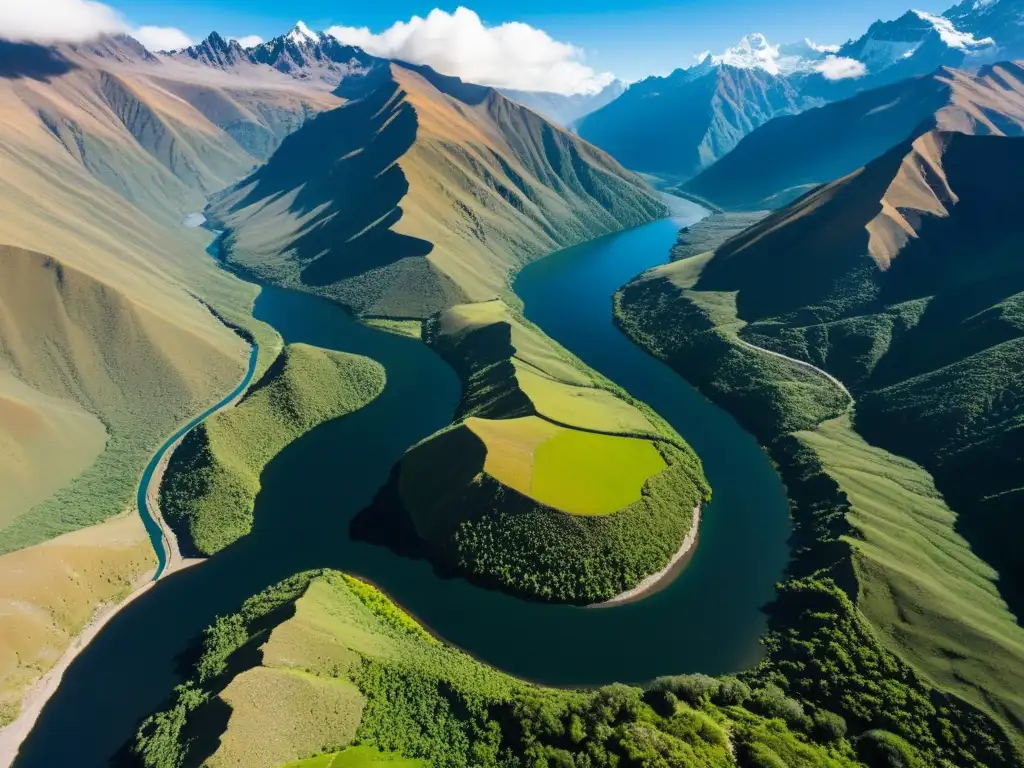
(708, 619)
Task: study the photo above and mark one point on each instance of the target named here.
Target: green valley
(877, 544)
(500, 487)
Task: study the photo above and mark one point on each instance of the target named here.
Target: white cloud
(820, 48)
(161, 38)
(249, 41)
(509, 55)
(840, 68)
(57, 21)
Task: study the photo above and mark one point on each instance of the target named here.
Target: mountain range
(790, 155)
(423, 193)
(677, 125)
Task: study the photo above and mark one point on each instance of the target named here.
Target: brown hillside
(424, 193)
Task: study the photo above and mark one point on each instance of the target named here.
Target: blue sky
(631, 38)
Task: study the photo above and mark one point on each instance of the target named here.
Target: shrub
(882, 749)
(828, 727)
(693, 689)
(731, 692)
(760, 756)
(693, 726)
(771, 701)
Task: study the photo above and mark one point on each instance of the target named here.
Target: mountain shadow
(356, 149)
(28, 60)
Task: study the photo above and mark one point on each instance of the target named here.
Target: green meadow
(214, 475)
(358, 757)
(589, 474)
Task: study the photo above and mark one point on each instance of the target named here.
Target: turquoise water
(152, 526)
(709, 619)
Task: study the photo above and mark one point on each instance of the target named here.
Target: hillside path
(802, 363)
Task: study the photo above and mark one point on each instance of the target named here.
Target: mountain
(914, 34)
(215, 51)
(307, 56)
(421, 194)
(786, 157)
(107, 338)
(903, 282)
(679, 124)
(1001, 20)
(564, 109)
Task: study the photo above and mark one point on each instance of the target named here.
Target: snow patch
(953, 37)
(755, 52)
(302, 34)
(752, 52)
(878, 54)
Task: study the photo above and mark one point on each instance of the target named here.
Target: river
(707, 620)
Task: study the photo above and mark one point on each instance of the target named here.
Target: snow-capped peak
(953, 37)
(752, 52)
(755, 52)
(302, 34)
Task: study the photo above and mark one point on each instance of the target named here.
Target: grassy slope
(99, 164)
(927, 599)
(521, 391)
(105, 348)
(357, 757)
(432, 703)
(927, 595)
(424, 194)
(214, 476)
(49, 591)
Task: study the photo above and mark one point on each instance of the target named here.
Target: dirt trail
(802, 363)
